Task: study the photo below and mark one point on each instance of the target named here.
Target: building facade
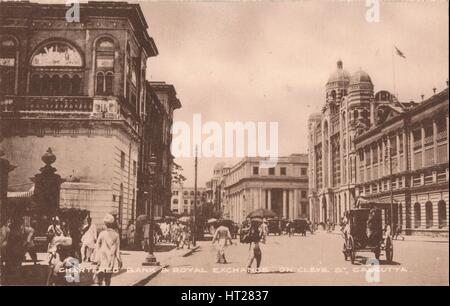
(405, 156)
(160, 103)
(350, 107)
(183, 199)
(282, 189)
(78, 88)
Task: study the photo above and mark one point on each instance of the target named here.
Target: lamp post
(149, 173)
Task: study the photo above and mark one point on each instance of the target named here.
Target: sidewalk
(133, 273)
(407, 237)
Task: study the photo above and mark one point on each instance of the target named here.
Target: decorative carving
(56, 54)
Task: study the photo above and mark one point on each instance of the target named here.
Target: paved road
(313, 260)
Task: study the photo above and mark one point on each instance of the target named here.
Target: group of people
(168, 231)
(16, 240)
(65, 246)
(253, 232)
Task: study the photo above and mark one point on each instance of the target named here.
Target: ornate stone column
(47, 186)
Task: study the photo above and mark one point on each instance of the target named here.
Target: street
(312, 260)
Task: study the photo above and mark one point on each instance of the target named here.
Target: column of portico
(269, 199)
(422, 131)
(296, 204)
(285, 214)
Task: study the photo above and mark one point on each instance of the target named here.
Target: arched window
(55, 85)
(104, 53)
(35, 85)
(76, 85)
(66, 85)
(46, 85)
(56, 70)
(8, 59)
(100, 84)
(355, 114)
(109, 79)
(442, 214)
(417, 216)
(333, 94)
(429, 214)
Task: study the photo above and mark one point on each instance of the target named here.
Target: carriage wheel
(389, 250)
(352, 250)
(377, 252)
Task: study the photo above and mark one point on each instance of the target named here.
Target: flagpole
(393, 71)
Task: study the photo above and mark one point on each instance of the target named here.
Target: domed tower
(337, 84)
(360, 98)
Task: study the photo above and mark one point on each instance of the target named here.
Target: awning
(362, 201)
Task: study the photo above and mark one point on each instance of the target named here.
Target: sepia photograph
(235, 144)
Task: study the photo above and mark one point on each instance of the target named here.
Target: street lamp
(149, 174)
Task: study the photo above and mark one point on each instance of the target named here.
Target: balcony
(78, 104)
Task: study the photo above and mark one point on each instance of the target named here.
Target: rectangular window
(122, 160)
(303, 194)
(134, 168)
(303, 171)
(283, 171)
(271, 171)
(255, 170)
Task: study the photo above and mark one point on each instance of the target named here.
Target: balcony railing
(46, 104)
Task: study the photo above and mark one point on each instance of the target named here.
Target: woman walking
(107, 253)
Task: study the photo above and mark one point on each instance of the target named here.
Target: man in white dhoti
(222, 236)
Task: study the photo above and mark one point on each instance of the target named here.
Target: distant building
(282, 189)
(182, 201)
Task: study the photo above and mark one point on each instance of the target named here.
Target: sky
(269, 61)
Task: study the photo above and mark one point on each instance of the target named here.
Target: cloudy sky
(269, 61)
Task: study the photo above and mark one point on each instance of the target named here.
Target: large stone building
(405, 156)
(80, 89)
(161, 101)
(183, 199)
(336, 138)
(282, 189)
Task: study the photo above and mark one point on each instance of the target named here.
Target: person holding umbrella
(254, 237)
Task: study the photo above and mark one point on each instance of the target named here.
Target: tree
(177, 177)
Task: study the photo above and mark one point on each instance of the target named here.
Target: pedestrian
(88, 240)
(254, 237)
(30, 246)
(222, 236)
(4, 232)
(131, 234)
(146, 235)
(185, 237)
(264, 230)
(15, 251)
(398, 232)
(107, 253)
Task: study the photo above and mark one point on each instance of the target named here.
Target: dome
(360, 76)
(339, 75)
(219, 166)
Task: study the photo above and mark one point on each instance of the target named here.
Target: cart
(364, 233)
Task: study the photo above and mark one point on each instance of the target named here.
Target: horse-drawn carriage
(364, 232)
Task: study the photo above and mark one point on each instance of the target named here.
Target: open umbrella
(262, 213)
(212, 220)
(184, 219)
